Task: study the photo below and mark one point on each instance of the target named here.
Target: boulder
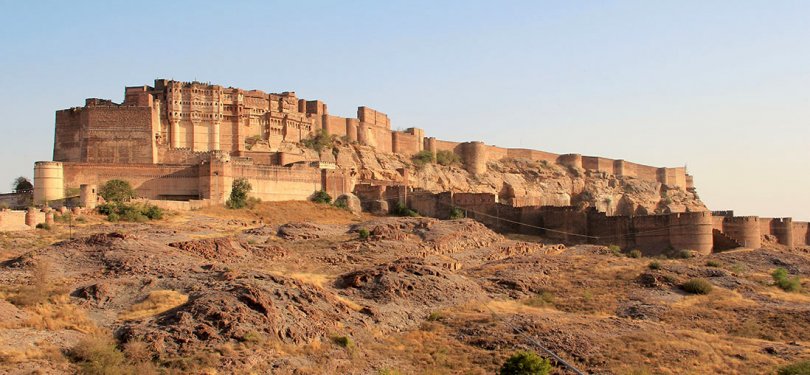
(350, 201)
(378, 207)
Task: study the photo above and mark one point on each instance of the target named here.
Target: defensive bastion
(185, 142)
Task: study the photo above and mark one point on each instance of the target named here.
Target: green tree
(526, 363)
(321, 197)
(319, 141)
(422, 158)
(447, 157)
(22, 185)
(239, 194)
(116, 191)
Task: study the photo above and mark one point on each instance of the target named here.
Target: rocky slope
(534, 182)
(292, 288)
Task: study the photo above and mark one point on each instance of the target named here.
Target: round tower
(88, 196)
(474, 155)
(430, 145)
(49, 181)
(31, 217)
(743, 229)
(691, 231)
(782, 229)
(570, 160)
(351, 129)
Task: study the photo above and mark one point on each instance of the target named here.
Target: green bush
(615, 249)
(363, 234)
(341, 203)
(116, 191)
(798, 368)
(321, 197)
(447, 157)
(697, 286)
(526, 363)
(402, 210)
(343, 341)
(681, 254)
(635, 253)
(422, 158)
(783, 280)
(712, 263)
(456, 213)
(153, 212)
(137, 213)
(44, 226)
(654, 265)
(319, 142)
(240, 188)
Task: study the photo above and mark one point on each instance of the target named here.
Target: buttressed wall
(156, 124)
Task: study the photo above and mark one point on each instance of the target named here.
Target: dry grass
(39, 288)
(288, 211)
(155, 303)
(59, 314)
(40, 351)
(99, 354)
(310, 278)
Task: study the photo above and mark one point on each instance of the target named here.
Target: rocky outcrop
(526, 182)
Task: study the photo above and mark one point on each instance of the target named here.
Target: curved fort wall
(743, 229)
(781, 228)
(49, 181)
(474, 156)
(203, 117)
(691, 230)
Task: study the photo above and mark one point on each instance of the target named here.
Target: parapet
(743, 229)
(691, 231)
(372, 117)
(570, 160)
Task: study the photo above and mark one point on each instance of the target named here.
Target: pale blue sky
(721, 86)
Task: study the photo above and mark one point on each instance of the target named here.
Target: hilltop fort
(183, 143)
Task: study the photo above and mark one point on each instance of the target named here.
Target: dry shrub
(155, 303)
(697, 286)
(46, 351)
(60, 314)
(38, 290)
(99, 354)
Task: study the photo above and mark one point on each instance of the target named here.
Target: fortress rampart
(211, 179)
(653, 234)
(188, 141)
(177, 122)
(744, 229)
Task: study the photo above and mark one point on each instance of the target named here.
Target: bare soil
(291, 288)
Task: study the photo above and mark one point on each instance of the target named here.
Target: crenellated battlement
(201, 117)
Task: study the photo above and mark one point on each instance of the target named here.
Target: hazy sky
(720, 86)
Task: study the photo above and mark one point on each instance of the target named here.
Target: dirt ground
(294, 288)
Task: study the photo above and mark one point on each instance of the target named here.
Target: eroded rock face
(275, 306)
(228, 249)
(407, 289)
(528, 182)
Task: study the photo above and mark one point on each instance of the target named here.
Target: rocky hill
(532, 182)
(300, 288)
